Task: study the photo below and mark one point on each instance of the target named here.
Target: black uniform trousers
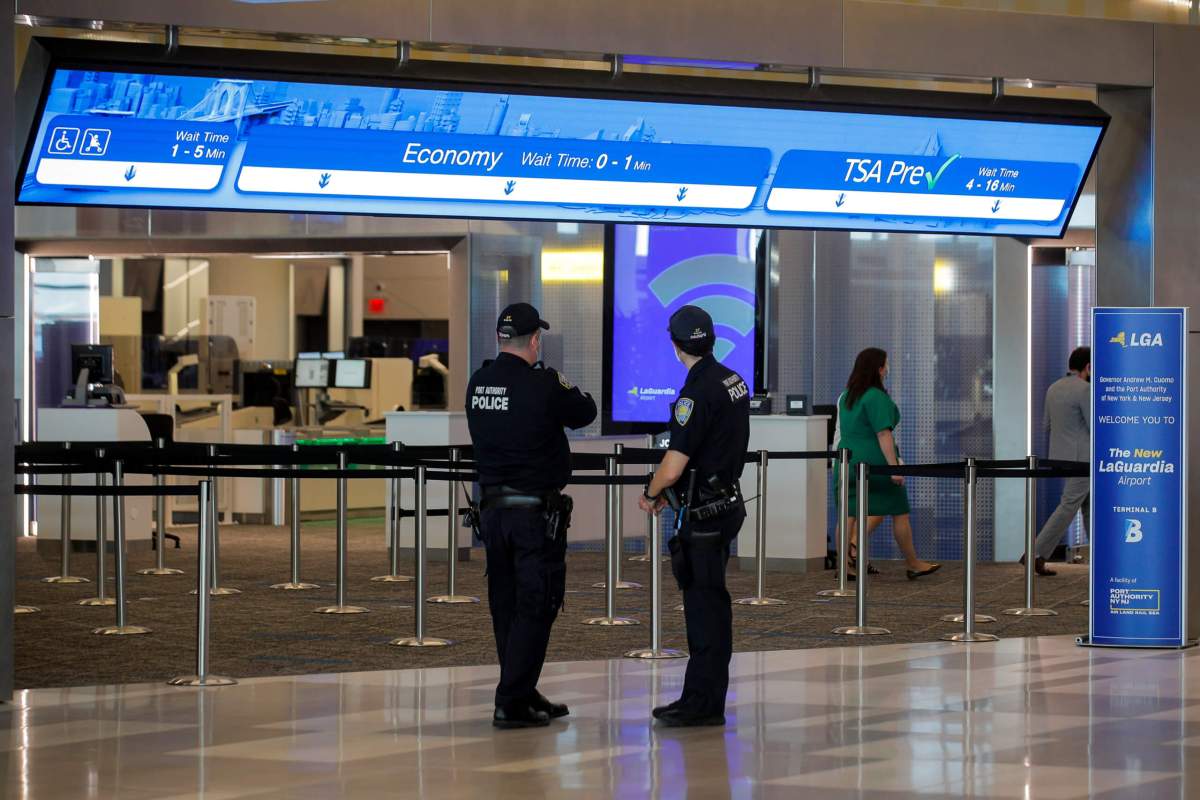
(708, 614)
(526, 583)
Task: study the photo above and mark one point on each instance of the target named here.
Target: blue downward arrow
(508, 187)
(682, 193)
(324, 181)
(129, 173)
(841, 199)
(996, 207)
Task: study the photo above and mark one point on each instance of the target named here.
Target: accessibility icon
(95, 142)
(63, 141)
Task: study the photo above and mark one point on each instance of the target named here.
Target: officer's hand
(650, 506)
(898, 480)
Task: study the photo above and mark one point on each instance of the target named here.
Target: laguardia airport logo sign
(1137, 339)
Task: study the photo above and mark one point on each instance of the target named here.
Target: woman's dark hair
(865, 374)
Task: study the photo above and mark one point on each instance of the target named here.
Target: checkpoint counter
(91, 425)
(797, 489)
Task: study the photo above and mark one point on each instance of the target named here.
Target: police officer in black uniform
(710, 429)
(516, 412)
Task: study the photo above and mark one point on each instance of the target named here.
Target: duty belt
(508, 497)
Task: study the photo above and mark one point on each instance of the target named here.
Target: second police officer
(698, 475)
(516, 412)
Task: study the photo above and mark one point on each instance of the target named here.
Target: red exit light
(376, 305)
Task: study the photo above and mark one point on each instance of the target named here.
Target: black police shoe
(553, 710)
(519, 715)
(669, 708)
(686, 718)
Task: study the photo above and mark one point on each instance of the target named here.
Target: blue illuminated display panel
(162, 140)
(655, 270)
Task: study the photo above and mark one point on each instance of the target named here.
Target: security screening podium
(83, 425)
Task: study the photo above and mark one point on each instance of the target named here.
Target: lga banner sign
(1139, 477)
(253, 143)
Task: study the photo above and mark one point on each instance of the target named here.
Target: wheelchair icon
(63, 141)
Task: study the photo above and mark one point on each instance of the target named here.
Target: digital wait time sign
(246, 142)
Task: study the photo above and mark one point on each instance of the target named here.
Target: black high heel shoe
(913, 574)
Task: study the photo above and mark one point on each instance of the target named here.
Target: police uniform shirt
(516, 414)
(710, 422)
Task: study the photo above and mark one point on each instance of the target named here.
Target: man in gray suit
(1068, 420)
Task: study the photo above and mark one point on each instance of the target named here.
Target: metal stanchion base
(1085, 602)
(65, 579)
(296, 587)
(220, 591)
(651, 654)
(25, 609)
(121, 630)
(97, 601)
(420, 641)
(961, 618)
(837, 593)
(679, 607)
(392, 579)
(341, 610)
(202, 681)
(157, 571)
(866, 630)
(760, 601)
(1030, 612)
(452, 599)
(646, 558)
(611, 622)
(620, 585)
(968, 638)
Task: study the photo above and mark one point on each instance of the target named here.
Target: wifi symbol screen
(655, 271)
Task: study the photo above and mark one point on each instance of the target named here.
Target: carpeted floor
(269, 632)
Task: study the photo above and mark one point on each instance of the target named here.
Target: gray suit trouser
(1074, 499)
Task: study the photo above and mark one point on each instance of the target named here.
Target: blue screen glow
(657, 269)
(162, 140)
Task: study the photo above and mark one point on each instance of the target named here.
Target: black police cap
(692, 329)
(519, 319)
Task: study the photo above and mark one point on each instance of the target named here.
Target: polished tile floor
(1021, 718)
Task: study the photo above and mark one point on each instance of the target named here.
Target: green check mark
(933, 178)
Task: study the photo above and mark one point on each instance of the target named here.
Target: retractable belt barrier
(969, 471)
(454, 464)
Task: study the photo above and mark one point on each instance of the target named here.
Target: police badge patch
(566, 384)
(683, 410)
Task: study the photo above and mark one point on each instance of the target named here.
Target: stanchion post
(969, 617)
(452, 596)
(843, 546)
(101, 598)
(295, 584)
(610, 618)
(1030, 609)
(860, 626)
(214, 500)
(160, 524)
(121, 628)
(760, 540)
(394, 575)
(646, 556)
(64, 531)
(420, 523)
(343, 546)
(655, 651)
(203, 593)
(619, 518)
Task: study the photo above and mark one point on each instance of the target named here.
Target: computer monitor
(97, 359)
(312, 373)
(352, 373)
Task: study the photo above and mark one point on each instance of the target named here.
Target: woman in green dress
(867, 419)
